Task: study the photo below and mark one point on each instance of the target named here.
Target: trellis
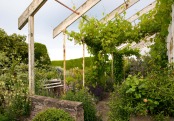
(28, 16)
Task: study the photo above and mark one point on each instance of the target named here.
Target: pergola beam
(119, 10)
(135, 16)
(73, 17)
(141, 12)
(30, 11)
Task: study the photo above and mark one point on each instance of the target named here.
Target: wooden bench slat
(53, 86)
(52, 81)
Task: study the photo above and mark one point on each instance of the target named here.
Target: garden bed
(146, 118)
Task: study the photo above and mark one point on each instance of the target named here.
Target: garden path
(103, 108)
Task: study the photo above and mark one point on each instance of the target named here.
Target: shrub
(150, 96)
(97, 91)
(53, 114)
(73, 63)
(88, 104)
(3, 118)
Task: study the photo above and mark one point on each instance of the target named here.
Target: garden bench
(54, 85)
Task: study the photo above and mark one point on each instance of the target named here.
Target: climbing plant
(157, 22)
(103, 39)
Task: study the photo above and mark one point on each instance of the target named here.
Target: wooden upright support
(83, 64)
(28, 16)
(64, 61)
(31, 54)
(172, 40)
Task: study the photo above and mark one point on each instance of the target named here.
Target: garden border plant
(152, 96)
(53, 114)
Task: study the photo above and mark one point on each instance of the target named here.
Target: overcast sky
(52, 14)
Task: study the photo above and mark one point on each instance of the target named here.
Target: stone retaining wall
(39, 103)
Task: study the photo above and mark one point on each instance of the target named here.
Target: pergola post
(28, 17)
(64, 61)
(31, 54)
(83, 64)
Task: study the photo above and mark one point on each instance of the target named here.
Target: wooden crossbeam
(119, 10)
(73, 17)
(143, 11)
(134, 17)
(30, 11)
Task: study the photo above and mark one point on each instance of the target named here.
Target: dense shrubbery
(14, 102)
(15, 46)
(74, 79)
(53, 114)
(41, 54)
(139, 66)
(73, 63)
(152, 95)
(88, 103)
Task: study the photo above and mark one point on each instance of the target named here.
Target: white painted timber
(30, 11)
(119, 10)
(73, 17)
(83, 64)
(31, 54)
(64, 61)
(143, 11)
(169, 47)
(142, 43)
(170, 39)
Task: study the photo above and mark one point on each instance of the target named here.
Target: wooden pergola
(28, 17)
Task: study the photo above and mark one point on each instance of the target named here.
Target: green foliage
(14, 102)
(73, 63)
(99, 36)
(157, 22)
(74, 78)
(41, 54)
(149, 96)
(88, 104)
(13, 91)
(118, 67)
(14, 46)
(139, 66)
(53, 114)
(42, 75)
(102, 40)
